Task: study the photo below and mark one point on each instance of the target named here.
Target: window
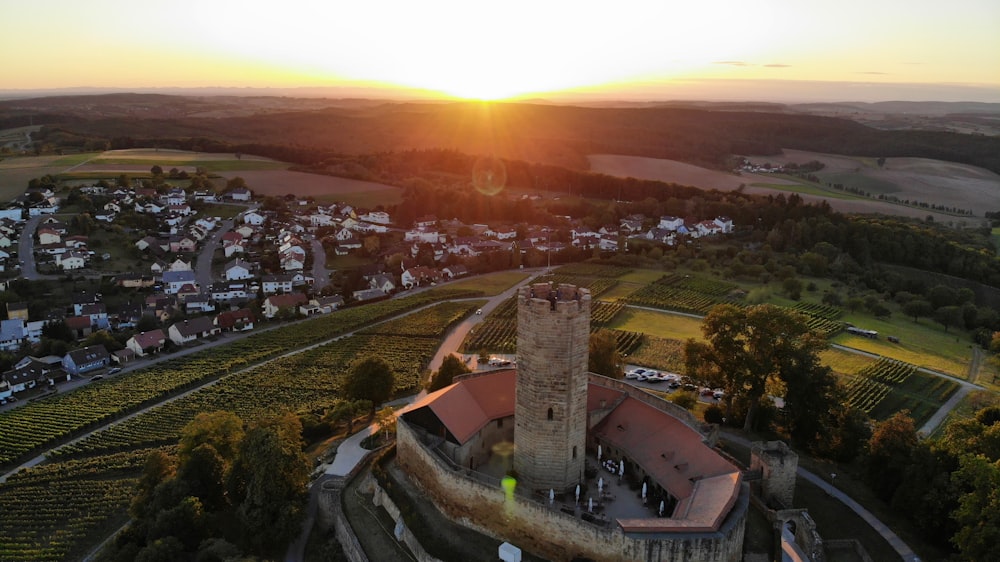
(574, 451)
(550, 414)
(499, 423)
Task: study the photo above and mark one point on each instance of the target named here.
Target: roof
(230, 318)
(194, 327)
(78, 322)
(291, 299)
(676, 457)
(466, 407)
(183, 276)
(152, 338)
(88, 354)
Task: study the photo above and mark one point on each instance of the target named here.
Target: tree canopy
(451, 367)
(370, 378)
(604, 357)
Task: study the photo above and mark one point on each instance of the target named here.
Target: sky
(816, 50)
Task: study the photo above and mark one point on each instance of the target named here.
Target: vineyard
(626, 342)
(821, 318)
(659, 353)
(887, 386)
(494, 335)
(432, 322)
(55, 511)
(603, 313)
(674, 291)
(307, 381)
(46, 422)
(873, 383)
(596, 285)
(592, 270)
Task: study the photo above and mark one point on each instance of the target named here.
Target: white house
(417, 275)
(174, 280)
(725, 223)
(383, 282)
(274, 304)
(179, 265)
(48, 236)
(71, 260)
(320, 220)
(378, 217)
(192, 329)
(254, 218)
(238, 269)
(422, 234)
(147, 342)
(240, 194)
(272, 284)
(670, 223)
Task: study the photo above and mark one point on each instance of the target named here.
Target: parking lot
(653, 379)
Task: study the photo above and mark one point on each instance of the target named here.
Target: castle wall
(478, 451)
(550, 416)
(548, 532)
(778, 465)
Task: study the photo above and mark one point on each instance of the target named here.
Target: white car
(634, 374)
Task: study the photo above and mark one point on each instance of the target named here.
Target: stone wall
(331, 512)
(778, 465)
(547, 532)
(553, 336)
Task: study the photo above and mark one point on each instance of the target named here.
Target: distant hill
(706, 134)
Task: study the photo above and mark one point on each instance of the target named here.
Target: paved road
(203, 265)
(320, 274)
(26, 250)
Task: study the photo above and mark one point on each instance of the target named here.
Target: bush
(685, 400)
(713, 414)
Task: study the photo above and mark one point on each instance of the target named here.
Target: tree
(792, 287)
(948, 316)
(268, 482)
(604, 357)
(917, 308)
(222, 430)
(370, 378)
(890, 450)
(386, 420)
(451, 367)
(747, 348)
(978, 512)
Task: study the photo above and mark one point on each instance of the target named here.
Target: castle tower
(778, 465)
(550, 414)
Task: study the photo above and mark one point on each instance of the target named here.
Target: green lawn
(490, 284)
(808, 189)
(924, 343)
(844, 362)
(219, 210)
(659, 324)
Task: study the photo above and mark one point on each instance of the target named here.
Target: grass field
(218, 210)
(844, 362)
(492, 283)
(659, 324)
(923, 344)
(325, 189)
(808, 188)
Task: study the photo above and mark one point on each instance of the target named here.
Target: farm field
(924, 344)
(491, 284)
(324, 188)
(920, 179)
(659, 324)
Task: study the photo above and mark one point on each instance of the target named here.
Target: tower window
(550, 414)
(574, 451)
(499, 423)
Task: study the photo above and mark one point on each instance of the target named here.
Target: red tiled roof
(466, 407)
(153, 338)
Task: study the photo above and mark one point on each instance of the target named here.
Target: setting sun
(515, 49)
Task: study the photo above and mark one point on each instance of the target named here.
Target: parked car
(114, 370)
(634, 374)
(96, 377)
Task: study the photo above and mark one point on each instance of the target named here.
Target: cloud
(732, 62)
(873, 72)
(775, 65)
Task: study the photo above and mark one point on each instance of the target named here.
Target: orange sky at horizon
(629, 49)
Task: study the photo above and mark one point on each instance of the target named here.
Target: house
(80, 326)
(176, 196)
(133, 280)
(207, 224)
(187, 291)
(232, 250)
(422, 234)
(189, 330)
(158, 266)
(147, 342)
(707, 228)
(630, 226)
(174, 280)
(225, 292)
(86, 359)
(71, 260)
(454, 271)
(383, 282)
(198, 303)
(6, 241)
(328, 304)
(235, 320)
(198, 232)
(292, 259)
(276, 304)
(320, 220)
(246, 231)
(670, 223)
(254, 218)
(179, 265)
(725, 223)
(183, 244)
(239, 194)
(231, 238)
(123, 356)
(112, 207)
(17, 310)
(98, 314)
(48, 236)
(425, 221)
(346, 246)
(418, 276)
(12, 334)
(370, 227)
(368, 294)
(377, 217)
(272, 284)
(76, 242)
(147, 243)
(238, 269)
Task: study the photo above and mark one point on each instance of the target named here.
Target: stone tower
(550, 414)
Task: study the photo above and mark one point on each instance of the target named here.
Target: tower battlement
(565, 298)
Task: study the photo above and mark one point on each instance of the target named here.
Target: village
(209, 275)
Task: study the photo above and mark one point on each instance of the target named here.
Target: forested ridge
(560, 135)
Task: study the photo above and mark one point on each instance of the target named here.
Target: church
(603, 470)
